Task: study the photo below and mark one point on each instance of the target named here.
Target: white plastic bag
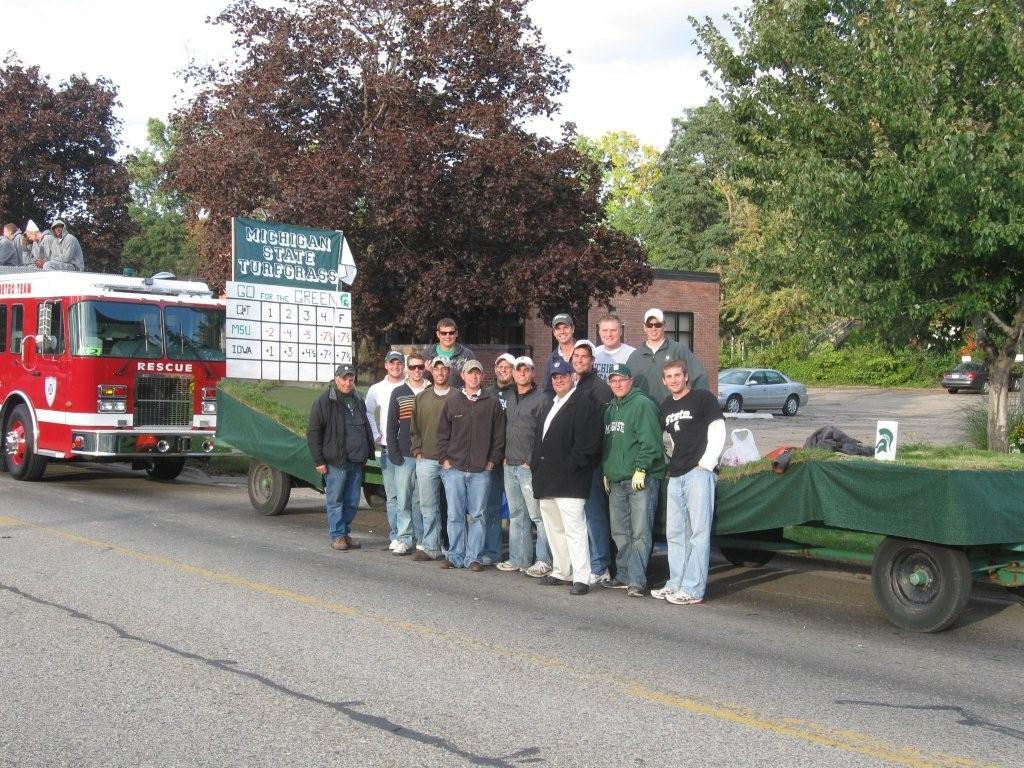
(742, 450)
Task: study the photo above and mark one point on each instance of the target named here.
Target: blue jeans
(387, 472)
(342, 486)
(428, 488)
(408, 502)
(632, 522)
(467, 495)
(691, 506)
(523, 511)
(492, 516)
(596, 511)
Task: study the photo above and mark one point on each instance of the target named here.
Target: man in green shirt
(633, 462)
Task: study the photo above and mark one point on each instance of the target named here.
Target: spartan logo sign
(51, 389)
(885, 438)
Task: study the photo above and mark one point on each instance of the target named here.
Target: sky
(634, 63)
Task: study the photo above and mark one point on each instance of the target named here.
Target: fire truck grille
(163, 401)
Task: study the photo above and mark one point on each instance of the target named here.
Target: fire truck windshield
(130, 329)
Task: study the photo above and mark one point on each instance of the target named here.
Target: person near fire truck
(340, 442)
(65, 252)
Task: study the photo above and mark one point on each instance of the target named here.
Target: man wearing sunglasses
(448, 347)
(647, 361)
(409, 522)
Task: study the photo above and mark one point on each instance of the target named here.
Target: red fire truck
(107, 367)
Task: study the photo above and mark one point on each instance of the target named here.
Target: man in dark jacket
(470, 444)
(566, 448)
(595, 392)
(523, 412)
(340, 442)
(502, 388)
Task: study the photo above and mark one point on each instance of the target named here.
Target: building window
(679, 327)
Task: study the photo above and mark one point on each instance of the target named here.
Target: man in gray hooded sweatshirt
(65, 251)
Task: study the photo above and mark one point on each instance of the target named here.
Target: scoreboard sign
(286, 318)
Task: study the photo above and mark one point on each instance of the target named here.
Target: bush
(974, 426)
(861, 363)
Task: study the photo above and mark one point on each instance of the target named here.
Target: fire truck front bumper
(143, 443)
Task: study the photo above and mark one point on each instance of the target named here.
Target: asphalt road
(924, 416)
(146, 623)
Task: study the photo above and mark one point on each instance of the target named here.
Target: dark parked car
(973, 377)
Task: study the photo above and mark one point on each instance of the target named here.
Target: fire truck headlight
(111, 406)
(210, 408)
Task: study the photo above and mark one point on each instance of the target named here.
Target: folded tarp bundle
(833, 439)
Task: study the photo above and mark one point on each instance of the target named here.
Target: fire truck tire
(269, 488)
(24, 463)
(165, 469)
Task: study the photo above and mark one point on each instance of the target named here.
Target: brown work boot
(352, 543)
(475, 567)
(340, 544)
(448, 564)
(422, 557)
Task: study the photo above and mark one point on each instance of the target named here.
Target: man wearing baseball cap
(502, 388)
(378, 402)
(566, 447)
(633, 461)
(649, 358)
(562, 329)
(524, 409)
(425, 415)
(470, 444)
(400, 456)
(340, 441)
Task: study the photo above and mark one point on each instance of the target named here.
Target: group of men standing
(579, 454)
(52, 249)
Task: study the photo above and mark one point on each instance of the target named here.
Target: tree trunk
(999, 402)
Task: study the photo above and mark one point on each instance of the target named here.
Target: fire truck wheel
(20, 456)
(165, 469)
(269, 488)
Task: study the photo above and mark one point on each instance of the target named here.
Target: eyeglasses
(654, 325)
(419, 367)
(447, 333)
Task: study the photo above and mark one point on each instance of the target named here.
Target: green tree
(689, 224)
(889, 132)
(629, 170)
(163, 242)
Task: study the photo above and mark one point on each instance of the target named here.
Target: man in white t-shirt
(378, 398)
(612, 350)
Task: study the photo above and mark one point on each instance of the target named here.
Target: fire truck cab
(107, 367)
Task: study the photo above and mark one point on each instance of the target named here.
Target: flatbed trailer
(280, 457)
(926, 534)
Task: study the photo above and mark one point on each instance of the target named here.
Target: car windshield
(733, 377)
(970, 367)
(115, 329)
(194, 333)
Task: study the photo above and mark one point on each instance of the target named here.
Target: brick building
(690, 301)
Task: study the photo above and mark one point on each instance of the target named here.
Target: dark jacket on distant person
(329, 436)
(522, 414)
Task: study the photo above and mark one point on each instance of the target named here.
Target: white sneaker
(661, 594)
(681, 598)
(599, 577)
(538, 569)
(400, 549)
(420, 548)
(393, 544)
(506, 565)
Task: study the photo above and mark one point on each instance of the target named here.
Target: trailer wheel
(165, 469)
(920, 587)
(20, 455)
(376, 498)
(269, 488)
(747, 558)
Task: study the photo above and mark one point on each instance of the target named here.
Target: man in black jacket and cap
(340, 442)
(566, 449)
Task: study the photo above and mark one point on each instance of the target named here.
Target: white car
(759, 389)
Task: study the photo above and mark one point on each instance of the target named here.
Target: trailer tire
(747, 558)
(165, 469)
(920, 587)
(376, 497)
(24, 463)
(269, 488)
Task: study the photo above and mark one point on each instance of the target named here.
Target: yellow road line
(802, 730)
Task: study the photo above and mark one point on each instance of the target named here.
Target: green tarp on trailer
(952, 507)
